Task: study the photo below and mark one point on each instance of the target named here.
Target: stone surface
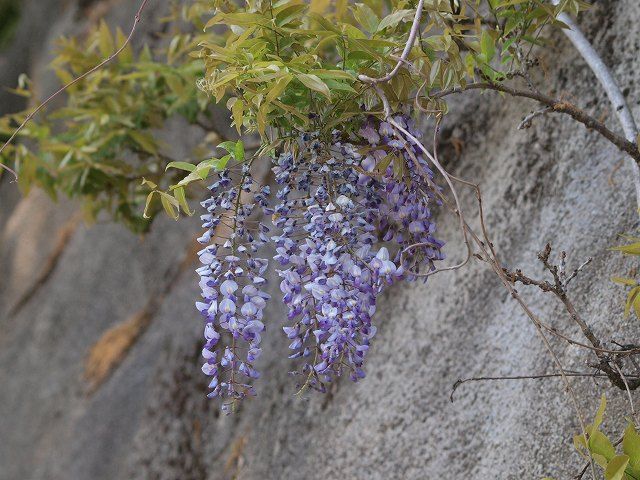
(555, 182)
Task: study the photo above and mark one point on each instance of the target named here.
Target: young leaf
(394, 19)
(149, 183)
(616, 467)
(170, 204)
(237, 110)
(179, 194)
(597, 421)
(228, 146)
(601, 447)
(313, 82)
(366, 17)
(631, 447)
(631, 249)
(189, 167)
(487, 46)
(238, 152)
(147, 203)
(632, 299)
(278, 88)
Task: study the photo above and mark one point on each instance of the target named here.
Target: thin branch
(626, 384)
(498, 269)
(461, 381)
(415, 27)
(602, 73)
(136, 21)
(608, 82)
(607, 358)
(526, 121)
(436, 162)
(558, 106)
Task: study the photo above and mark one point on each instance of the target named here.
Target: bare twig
(577, 271)
(607, 358)
(626, 384)
(568, 373)
(136, 21)
(526, 121)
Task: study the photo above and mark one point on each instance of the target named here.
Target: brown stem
(461, 381)
(557, 106)
(607, 358)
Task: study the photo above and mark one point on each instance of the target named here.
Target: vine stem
(608, 82)
(415, 28)
(568, 373)
(487, 249)
(136, 20)
(557, 106)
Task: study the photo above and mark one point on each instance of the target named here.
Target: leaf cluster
(597, 445)
(289, 65)
(280, 66)
(102, 140)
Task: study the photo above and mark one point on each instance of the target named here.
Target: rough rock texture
(555, 182)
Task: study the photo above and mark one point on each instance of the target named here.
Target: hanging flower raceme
(353, 216)
(232, 282)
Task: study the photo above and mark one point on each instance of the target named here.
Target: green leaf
(336, 86)
(228, 146)
(149, 183)
(616, 467)
(366, 17)
(624, 281)
(631, 447)
(126, 56)
(333, 74)
(144, 141)
(395, 18)
(179, 194)
(289, 13)
(600, 445)
(189, 167)
(238, 152)
(632, 299)
(220, 163)
(313, 82)
(278, 88)
(324, 23)
(145, 213)
(597, 421)
(487, 46)
(170, 205)
(631, 249)
(580, 444)
(242, 19)
(105, 39)
(237, 111)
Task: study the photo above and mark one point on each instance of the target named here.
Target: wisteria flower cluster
(351, 216)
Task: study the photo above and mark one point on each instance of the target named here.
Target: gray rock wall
(149, 419)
